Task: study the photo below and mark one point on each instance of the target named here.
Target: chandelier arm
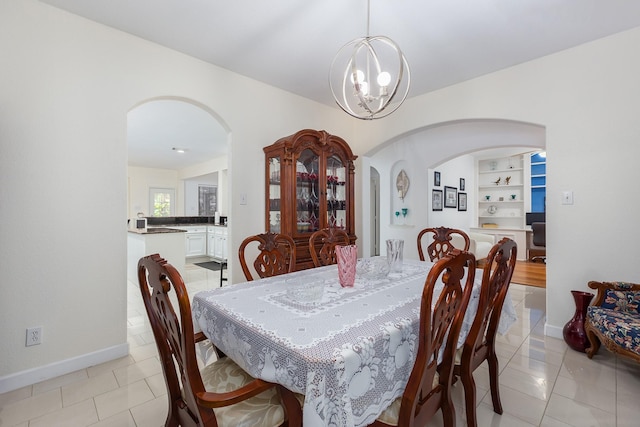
(344, 91)
(366, 98)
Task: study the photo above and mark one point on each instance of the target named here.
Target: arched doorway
(175, 144)
(430, 147)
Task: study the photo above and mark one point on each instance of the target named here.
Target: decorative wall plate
(402, 184)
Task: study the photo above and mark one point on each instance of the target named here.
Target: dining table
(348, 350)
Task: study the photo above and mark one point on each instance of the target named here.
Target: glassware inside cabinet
(336, 192)
(307, 192)
(274, 194)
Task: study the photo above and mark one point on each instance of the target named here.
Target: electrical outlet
(34, 336)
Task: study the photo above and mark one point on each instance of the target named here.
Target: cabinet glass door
(275, 213)
(307, 192)
(336, 193)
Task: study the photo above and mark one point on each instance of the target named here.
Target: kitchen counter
(168, 242)
(155, 230)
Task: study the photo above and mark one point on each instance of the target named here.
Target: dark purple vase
(573, 331)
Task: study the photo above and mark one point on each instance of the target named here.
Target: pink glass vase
(347, 257)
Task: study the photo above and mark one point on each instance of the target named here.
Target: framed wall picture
(462, 201)
(461, 184)
(436, 200)
(450, 197)
(436, 178)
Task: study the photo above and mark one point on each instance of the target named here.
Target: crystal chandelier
(368, 74)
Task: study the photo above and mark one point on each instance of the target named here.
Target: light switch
(567, 197)
(243, 198)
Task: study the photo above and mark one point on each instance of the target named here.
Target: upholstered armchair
(480, 244)
(613, 319)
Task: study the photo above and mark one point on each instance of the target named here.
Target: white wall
(192, 193)
(217, 166)
(141, 180)
(586, 99)
(64, 100)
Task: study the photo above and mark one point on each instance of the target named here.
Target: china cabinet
(309, 186)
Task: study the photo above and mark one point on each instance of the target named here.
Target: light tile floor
(542, 381)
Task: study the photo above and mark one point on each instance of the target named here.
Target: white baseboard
(553, 331)
(42, 373)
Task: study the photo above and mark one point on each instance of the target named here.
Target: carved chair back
(441, 243)
(322, 245)
(173, 333)
(191, 403)
(276, 255)
(441, 316)
(480, 343)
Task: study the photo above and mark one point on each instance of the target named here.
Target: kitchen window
(162, 201)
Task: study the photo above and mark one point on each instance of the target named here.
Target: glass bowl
(305, 293)
(372, 268)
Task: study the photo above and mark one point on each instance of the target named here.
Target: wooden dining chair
(276, 255)
(222, 394)
(442, 242)
(441, 316)
(481, 341)
(326, 240)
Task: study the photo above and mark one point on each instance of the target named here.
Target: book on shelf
(489, 225)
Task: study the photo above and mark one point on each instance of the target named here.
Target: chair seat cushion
(390, 415)
(619, 326)
(265, 409)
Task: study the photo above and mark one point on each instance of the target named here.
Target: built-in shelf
(481, 172)
(499, 216)
(505, 207)
(489, 202)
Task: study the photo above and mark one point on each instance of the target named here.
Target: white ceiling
(290, 43)
(155, 128)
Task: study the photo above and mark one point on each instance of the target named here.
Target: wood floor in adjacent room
(530, 273)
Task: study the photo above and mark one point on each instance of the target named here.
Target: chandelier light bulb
(359, 77)
(384, 78)
(364, 88)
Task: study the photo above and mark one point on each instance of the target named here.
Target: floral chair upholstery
(613, 319)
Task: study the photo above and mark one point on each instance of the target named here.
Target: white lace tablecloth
(350, 354)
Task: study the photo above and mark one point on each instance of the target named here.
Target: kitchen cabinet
(196, 244)
(211, 242)
(195, 240)
(217, 237)
(309, 186)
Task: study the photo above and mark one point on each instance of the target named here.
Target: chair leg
(594, 343)
(448, 411)
(492, 360)
(292, 409)
(469, 397)
(223, 265)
